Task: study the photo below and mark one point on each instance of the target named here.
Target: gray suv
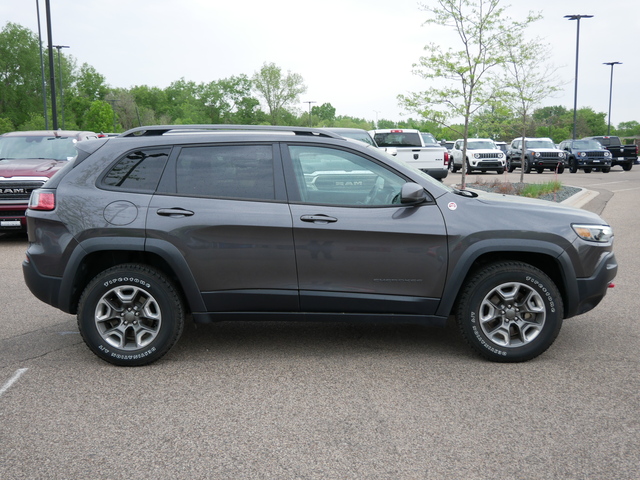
(282, 223)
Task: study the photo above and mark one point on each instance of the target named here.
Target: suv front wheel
(510, 312)
(130, 315)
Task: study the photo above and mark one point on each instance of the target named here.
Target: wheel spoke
(128, 317)
(512, 314)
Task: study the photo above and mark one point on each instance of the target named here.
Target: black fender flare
(165, 250)
(465, 263)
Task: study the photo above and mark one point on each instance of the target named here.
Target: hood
(29, 167)
(543, 208)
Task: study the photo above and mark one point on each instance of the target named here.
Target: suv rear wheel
(130, 315)
(510, 312)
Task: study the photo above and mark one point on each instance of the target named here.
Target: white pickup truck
(419, 150)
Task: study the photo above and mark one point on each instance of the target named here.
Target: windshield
(540, 144)
(429, 139)
(587, 145)
(28, 147)
(481, 145)
(363, 137)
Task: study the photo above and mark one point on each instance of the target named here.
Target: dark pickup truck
(624, 155)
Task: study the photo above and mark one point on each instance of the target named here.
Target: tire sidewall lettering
(127, 280)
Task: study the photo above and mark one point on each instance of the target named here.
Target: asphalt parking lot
(329, 400)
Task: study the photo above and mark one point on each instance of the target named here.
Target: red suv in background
(27, 160)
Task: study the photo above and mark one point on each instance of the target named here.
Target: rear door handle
(321, 219)
(174, 212)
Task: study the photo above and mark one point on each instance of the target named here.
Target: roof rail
(158, 130)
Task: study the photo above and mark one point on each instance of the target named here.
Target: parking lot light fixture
(575, 90)
(610, 94)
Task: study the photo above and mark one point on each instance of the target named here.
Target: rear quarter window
(137, 171)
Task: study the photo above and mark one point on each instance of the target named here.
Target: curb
(581, 198)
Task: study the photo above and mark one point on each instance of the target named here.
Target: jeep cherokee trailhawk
(232, 223)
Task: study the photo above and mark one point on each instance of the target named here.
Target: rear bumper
(43, 287)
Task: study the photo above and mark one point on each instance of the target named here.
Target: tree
(527, 81)
(628, 129)
(99, 117)
(20, 75)
(91, 84)
(278, 90)
(326, 112)
(484, 32)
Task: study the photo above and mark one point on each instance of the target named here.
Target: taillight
(42, 200)
(446, 158)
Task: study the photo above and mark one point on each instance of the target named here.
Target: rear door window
(226, 171)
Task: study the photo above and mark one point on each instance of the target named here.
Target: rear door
(357, 249)
(223, 208)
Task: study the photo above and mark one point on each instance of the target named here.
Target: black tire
(587, 170)
(510, 167)
(452, 166)
(606, 169)
(510, 312)
(130, 315)
(500, 171)
(539, 170)
(527, 166)
(560, 169)
(469, 170)
(573, 165)
(627, 166)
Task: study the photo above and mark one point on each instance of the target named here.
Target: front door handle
(320, 219)
(174, 212)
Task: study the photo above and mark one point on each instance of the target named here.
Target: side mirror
(412, 194)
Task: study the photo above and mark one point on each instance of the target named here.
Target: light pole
(610, 94)
(44, 87)
(60, 47)
(310, 102)
(575, 90)
(52, 77)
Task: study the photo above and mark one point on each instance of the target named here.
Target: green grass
(535, 190)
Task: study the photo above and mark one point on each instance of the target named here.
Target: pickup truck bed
(408, 146)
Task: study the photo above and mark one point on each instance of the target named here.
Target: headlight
(594, 233)
(607, 154)
(536, 154)
(500, 155)
(582, 154)
(476, 155)
(561, 154)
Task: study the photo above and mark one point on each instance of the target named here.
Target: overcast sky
(356, 55)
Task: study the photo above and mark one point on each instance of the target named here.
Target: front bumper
(593, 289)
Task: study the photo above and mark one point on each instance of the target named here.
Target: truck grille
(595, 155)
(492, 156)
(18, 190)
(549, 156)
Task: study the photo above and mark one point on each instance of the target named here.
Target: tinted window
(337, 177)
(398, 138)
(228, 171)
(139, 170)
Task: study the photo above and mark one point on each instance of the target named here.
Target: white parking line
(12, 380)
(606, 183)
(625, 189)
